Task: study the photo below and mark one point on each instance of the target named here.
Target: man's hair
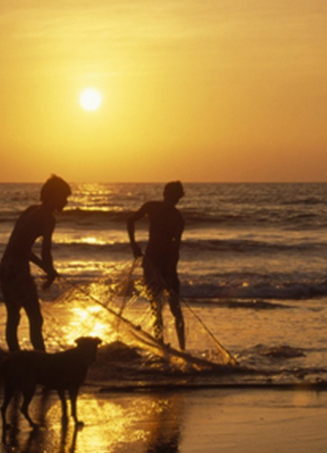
(54, 186)
(173, 190)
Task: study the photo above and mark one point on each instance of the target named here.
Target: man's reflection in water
(165, 429)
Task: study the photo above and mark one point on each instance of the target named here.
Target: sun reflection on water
(89, 321)
(119, 423)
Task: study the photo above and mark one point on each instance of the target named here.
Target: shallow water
(275, 349)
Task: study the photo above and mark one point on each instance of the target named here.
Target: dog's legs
(8, 394)
(64, 417)
(73, 400)
(28, 393)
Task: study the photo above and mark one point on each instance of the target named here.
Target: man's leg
(158, 326)
(175, 307)
(11, 296)
(13, 318)
(154, 288)
(33, 311)
(176, 310)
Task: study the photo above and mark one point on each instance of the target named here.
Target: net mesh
(117, 308)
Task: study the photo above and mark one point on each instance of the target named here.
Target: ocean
(252, 267)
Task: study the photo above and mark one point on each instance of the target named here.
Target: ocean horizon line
(165, 181)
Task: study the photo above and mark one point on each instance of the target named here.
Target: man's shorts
(17, 285)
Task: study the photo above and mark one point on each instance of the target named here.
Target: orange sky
(194, 90)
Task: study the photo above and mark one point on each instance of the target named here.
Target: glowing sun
(90, 99)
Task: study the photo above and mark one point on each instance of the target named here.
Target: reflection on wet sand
(164, 435)
(148, 423)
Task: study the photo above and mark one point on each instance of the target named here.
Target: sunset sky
(196, 90)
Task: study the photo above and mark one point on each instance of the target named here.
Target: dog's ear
(81, 340)
(95, 340)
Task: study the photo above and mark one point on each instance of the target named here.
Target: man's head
(173, 191)
(55, 192)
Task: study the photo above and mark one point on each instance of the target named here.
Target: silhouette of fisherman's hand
(49, 279)
(137, 252)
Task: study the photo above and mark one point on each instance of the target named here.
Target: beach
(207, 420)
(253, 288)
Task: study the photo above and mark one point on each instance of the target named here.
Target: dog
(61, 371)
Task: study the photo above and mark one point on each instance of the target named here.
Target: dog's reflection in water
(40, 440)
(50, 434)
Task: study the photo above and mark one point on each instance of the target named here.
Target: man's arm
(137, 252)
(36, 260)
(46, 255)
(177, 240)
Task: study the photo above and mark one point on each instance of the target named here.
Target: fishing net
(118, 308)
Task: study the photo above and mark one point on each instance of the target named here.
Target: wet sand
(194, 421)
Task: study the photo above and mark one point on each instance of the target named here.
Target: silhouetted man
(166, 226)
(18, 287)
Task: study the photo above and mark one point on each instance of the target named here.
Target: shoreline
(206, 420)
